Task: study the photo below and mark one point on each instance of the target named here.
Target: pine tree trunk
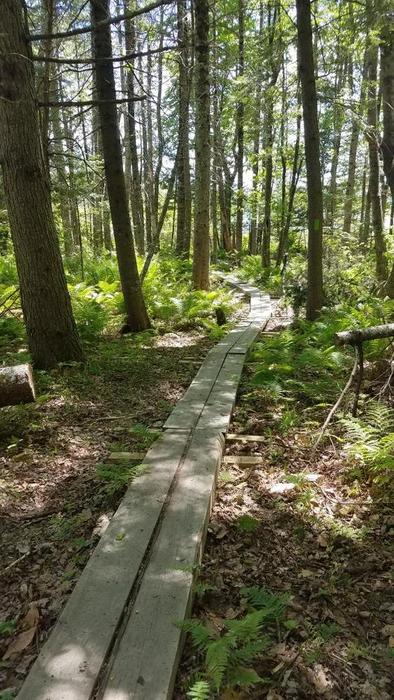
(296, 171)
(46, 305)
(183, 229)
(240, 130)
(137, 207)
(256, 145)
(137, 317)
(351, 176)
(59, 162)
(387, 145)
(374, 167)
(202, 137)
(312, 159)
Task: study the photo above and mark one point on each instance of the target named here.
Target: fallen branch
(359, 335)
(339, 401)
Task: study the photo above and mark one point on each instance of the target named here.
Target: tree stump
(16, 385)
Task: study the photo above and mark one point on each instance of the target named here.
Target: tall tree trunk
(61, 188)
(354, 141)
(312, 159)
(256, 143)
(137, 317)
(240, 128)
(387, 146)
(374, 167)
(46, 305)
(183, 230)
(338, 118)
(295, 174)
(275, 64)
(136, 200)
(48, 7)
(202, 137)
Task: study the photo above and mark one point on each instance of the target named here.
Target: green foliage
(117, 477)
(227, 657)
(370, 440)
(247, 523)
(201, 690)
(7, 627)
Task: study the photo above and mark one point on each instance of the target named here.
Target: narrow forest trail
(140, 578)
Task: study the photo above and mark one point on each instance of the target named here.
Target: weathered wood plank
(242, 459)
(146, 660)
(245, 438)
(70, 661)
(219, 406)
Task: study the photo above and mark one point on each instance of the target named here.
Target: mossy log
(16, 385)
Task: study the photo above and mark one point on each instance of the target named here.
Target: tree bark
(202, 140)
(240, 128)
(137, 317)
(46, 305)
(312, 159)
(374, 166)
(354, 141)
(387, 145)
(184, 212)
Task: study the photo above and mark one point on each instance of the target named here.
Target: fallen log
(16, 385)
(359, 335)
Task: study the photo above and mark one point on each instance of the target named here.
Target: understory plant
(369, 441)
(228, 656)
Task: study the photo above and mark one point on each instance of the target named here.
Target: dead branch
(359, 335)
(111, 20)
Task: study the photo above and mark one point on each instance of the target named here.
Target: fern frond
(248, 651)
(217, 660)
(271, 604)
(201, 634)
(200, 690)
(244, 677)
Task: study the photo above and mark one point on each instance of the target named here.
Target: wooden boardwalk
(116, 638)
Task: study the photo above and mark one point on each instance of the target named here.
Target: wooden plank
(189, 408)
(70, 661)
(245, 438)
(242, 459)
(218, 409)
(145, 664)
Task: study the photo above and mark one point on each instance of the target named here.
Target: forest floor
(295, 525)
(58, 488)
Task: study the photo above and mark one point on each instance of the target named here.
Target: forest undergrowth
(295, 594)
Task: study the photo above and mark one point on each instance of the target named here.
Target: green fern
(227, 658)
(370, 439)
(217, 660)
(201, 690)
(201, 634)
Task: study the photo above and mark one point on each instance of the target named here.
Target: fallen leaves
(29, 626)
